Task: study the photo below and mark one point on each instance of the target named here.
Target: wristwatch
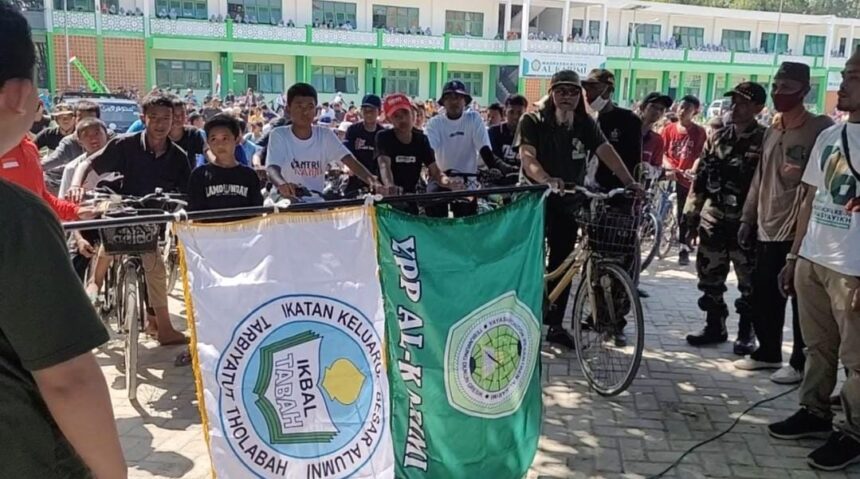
(791, 257)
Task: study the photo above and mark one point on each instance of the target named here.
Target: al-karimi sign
(545, 64)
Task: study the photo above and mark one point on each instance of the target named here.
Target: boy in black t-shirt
(403, 150)
(502, 140)
(224, 183)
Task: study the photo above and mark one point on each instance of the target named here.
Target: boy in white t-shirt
(823, 268)
(457, 137)
(300, 153)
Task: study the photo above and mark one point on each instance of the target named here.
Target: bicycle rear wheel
(649, 239)
(605, 300)
(133, 310)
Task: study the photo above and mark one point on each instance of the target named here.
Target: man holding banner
(555, 143)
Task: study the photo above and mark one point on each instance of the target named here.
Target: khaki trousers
(832, 332)
(155, 274)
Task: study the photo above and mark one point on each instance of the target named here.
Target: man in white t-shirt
(457, 136)
(823, 268)
(299, 153)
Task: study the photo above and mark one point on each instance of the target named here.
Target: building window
(257, 11)
(646, 34)
(336, 13)
(335, 79)
(736, 40)
(770, 43)
(182, 74)
(182, 8)
(594, 29)
(398, 18)
(813, 45)
(644, 86)
(474, 81)
(689, 37)
(42, 64)
(262, 77)
(400, 81)
(464, 23)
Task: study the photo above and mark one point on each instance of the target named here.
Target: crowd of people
(778, 202)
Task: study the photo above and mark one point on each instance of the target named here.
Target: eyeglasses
(567, 91)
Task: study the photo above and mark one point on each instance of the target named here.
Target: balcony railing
(709, 57)
(188, 28)
(344, 37)
(661, 54)
(75, 20)
(754, 58)
(401, 40)
(273, 33)
(122, 23)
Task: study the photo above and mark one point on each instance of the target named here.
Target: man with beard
(555, 143)
(770, 216)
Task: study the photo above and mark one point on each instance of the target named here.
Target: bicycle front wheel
(133, 311)
(649, 239)
(607, 303)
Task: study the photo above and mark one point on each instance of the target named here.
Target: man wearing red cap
(403, 150)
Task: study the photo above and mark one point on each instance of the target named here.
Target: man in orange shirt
(21, 166)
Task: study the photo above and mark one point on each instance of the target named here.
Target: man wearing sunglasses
(555, 143)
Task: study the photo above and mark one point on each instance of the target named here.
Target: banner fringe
(195, 359)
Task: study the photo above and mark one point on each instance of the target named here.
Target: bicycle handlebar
(596, 195)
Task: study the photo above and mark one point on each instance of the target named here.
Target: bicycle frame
(570, 267)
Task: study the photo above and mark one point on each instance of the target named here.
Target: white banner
(289, 327)
(545, 64)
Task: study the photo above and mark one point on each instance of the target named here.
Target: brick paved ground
(682, 395)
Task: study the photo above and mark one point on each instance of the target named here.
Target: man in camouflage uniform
(717, 196)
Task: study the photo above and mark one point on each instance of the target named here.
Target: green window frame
(474, 81)
(399, 18)
(814, 45)
(183, 74)
(194, 9)
(736, 40)
(644, 86)
(84, 5)
(264, 11)
(770, 43)
(338, 13)
(689, 37)
(400, 81)
(646, 33)
(464, 23)
(262, 77)
(331, 79)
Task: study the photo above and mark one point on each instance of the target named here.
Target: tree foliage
(841, 8)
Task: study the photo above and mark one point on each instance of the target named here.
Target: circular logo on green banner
(490, 357)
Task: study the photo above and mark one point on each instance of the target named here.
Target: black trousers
(560, 231)
(681, 192)
(769, 322)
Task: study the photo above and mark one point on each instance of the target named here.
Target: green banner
(462, 305)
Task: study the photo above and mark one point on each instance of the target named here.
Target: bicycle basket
(608, 232)
(133, 239)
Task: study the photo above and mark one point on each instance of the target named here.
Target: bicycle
(122, 298)
(666, 200)
(605, 295)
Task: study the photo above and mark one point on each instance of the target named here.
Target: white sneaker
(787, 375)
(749, 364)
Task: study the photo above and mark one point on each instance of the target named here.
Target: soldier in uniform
(713, 211)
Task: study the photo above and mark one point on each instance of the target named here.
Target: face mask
(598, 104)
(784, 102)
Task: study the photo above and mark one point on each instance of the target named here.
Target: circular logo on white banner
(490, 358)
(300, 389)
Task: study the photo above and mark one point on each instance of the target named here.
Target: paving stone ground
(681, 396)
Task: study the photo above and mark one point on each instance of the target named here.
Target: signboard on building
(545, 64)
(834, 80)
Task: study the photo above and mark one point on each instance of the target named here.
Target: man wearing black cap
(457, 136)
(361, 140)
(770, 216)
(620, 126)
(651, 110)
(715, 204)
(555, 143)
